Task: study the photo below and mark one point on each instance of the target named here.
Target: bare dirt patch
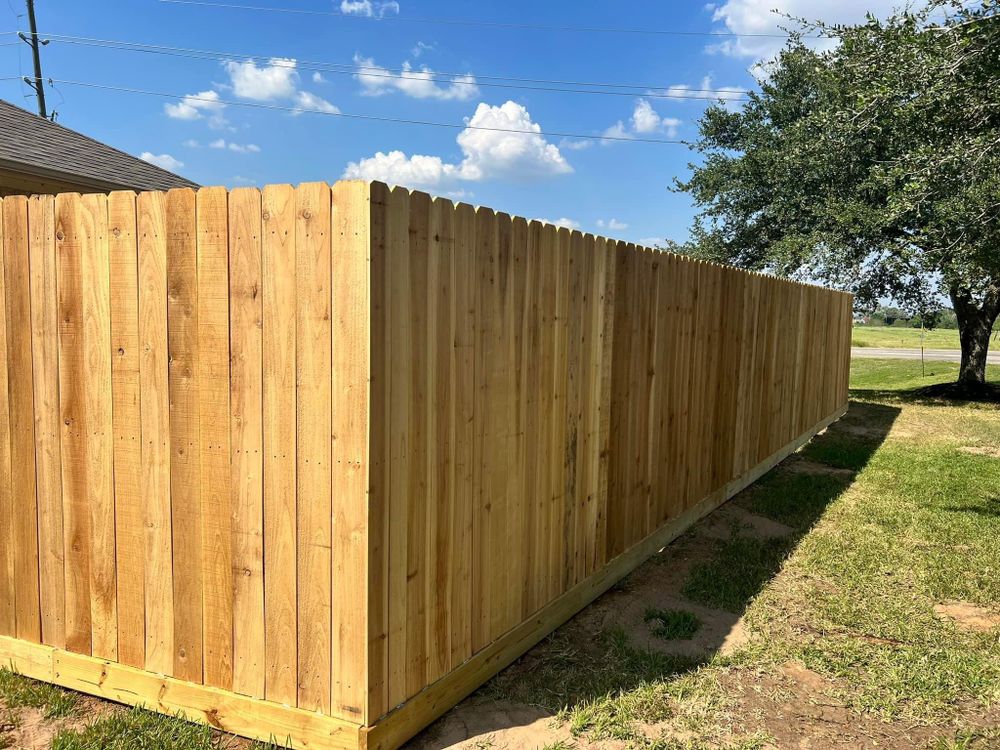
(981, 450)
(33, 731)
(732, 518)
(805, 466)
(495, 725)
(968, 616)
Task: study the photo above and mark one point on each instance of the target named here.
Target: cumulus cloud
(645, 121)
(368, 8)
(563, 222)
(419, 84)
(307, 102)
(729, 95)
(239, 148)
(317, 77)
(278, 79)
(488, 153)
(758, 17)
(164, 161)
(198, 106)
(612, 224)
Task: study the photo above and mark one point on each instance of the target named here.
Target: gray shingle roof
(32, 145)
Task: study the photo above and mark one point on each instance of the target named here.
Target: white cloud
(618, 130)
(612, 224)
(651, 241)
(222, 143)
(757, 17)
(419, 84)
(420, 48)
(563, 222)
(192, 143)
(368, 8)
(198, 106)
(276, 80)
(645, 121)
(397, 168)
(307, 102)
(164, 161)
(577, 145)
(488, 154)
(317, 77)
(729, 95)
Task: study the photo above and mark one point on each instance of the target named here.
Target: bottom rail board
(391, 731)
(229, 712)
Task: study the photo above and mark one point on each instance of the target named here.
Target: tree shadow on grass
(606, 672)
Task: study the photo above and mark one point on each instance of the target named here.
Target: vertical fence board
(441, 435)
(379, 445)
(246, 399)
(213, 394)
(279, 410)
(27, 615)
(464, 275)
(70, 238)
(154, 414)
(312, 441)
(350, 302)
(126, 420)
(48, 462)
(7, 600)
(186, 513)
(417, 445)
(397, 251)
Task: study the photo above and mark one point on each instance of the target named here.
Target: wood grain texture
(154, 417)
(186, 511)
(8, 603)
(279, 288)
(350, 371)
(17, 288)
(247, 439)
(48, 456)
(312, 443)
(130, 540)
(214, 457)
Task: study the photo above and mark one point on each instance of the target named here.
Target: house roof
(33, 145)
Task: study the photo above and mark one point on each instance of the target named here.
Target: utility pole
(34, 43)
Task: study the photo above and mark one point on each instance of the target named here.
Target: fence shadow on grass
(608, 666)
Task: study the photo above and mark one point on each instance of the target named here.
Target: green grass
(138, 729)
(880, 337)
(672, 624)
(893, 376)
(17, 691)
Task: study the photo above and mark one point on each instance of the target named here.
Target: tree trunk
(975, 325)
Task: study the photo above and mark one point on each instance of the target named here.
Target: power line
(410, 75)
(355, 116)
(468, 22)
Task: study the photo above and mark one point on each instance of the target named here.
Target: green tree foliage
(871, 162)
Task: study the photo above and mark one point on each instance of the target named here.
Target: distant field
(903, 338)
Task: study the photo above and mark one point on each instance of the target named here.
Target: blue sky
(618, 188)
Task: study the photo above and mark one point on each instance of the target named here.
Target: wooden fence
(313, 463)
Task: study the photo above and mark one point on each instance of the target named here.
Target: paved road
(939, 355)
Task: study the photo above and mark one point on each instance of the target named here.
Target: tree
(872, 165)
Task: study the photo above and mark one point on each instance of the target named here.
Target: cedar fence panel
(313, 463)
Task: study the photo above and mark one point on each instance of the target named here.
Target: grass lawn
(851, 598)
(881, 337)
